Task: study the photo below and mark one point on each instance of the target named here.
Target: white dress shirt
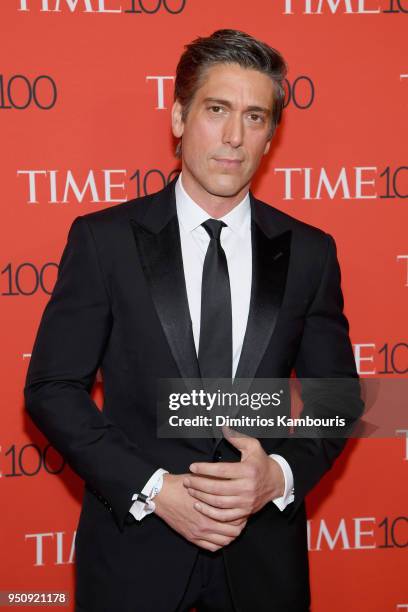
(236, 242)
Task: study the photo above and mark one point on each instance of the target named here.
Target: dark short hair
(228, 47)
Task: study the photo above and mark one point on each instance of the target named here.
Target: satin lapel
(270, 259)
(161, 258)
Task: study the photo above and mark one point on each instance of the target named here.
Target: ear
(267, 146)
(177, 124)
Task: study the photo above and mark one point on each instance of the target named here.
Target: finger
(207, 545)
(224, 469)
(215, 539)
(207, 527)
(214, 486)
(232, 515)
(241, 521)
(217, 501)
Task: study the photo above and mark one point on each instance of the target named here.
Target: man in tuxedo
(198, 280)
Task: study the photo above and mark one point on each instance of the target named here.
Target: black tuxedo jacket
(120, 304)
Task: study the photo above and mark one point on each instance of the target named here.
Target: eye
(215, 109)
(256, 118)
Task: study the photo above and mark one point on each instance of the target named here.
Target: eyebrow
(229, 105)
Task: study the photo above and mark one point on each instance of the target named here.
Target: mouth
(225, 162)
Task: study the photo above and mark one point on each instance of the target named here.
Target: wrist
(144, 503)
(162, 496)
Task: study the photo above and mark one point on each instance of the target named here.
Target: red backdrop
(85, 93)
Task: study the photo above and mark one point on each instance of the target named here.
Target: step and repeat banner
(86, 88)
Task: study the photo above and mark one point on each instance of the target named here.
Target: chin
(225, 187)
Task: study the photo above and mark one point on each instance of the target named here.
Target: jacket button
(218, 456)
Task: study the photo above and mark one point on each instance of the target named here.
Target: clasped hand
(232, 491)
(220, 497)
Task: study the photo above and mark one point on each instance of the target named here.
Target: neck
(216, 206)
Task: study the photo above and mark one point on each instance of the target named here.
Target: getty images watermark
(268, 408)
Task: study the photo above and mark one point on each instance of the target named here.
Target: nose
(233, 130)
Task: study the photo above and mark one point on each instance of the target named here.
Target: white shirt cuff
(139, 508)
(289, 493)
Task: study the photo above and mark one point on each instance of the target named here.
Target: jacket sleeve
(325, 353)
(67, 352)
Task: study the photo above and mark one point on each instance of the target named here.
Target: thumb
(238, 439)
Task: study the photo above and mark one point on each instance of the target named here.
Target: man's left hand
(227, 491)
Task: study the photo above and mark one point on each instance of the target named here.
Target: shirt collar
(191, 215)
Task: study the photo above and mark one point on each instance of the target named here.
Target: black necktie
(215, 345)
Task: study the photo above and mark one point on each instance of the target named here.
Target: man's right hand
(176, 507)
